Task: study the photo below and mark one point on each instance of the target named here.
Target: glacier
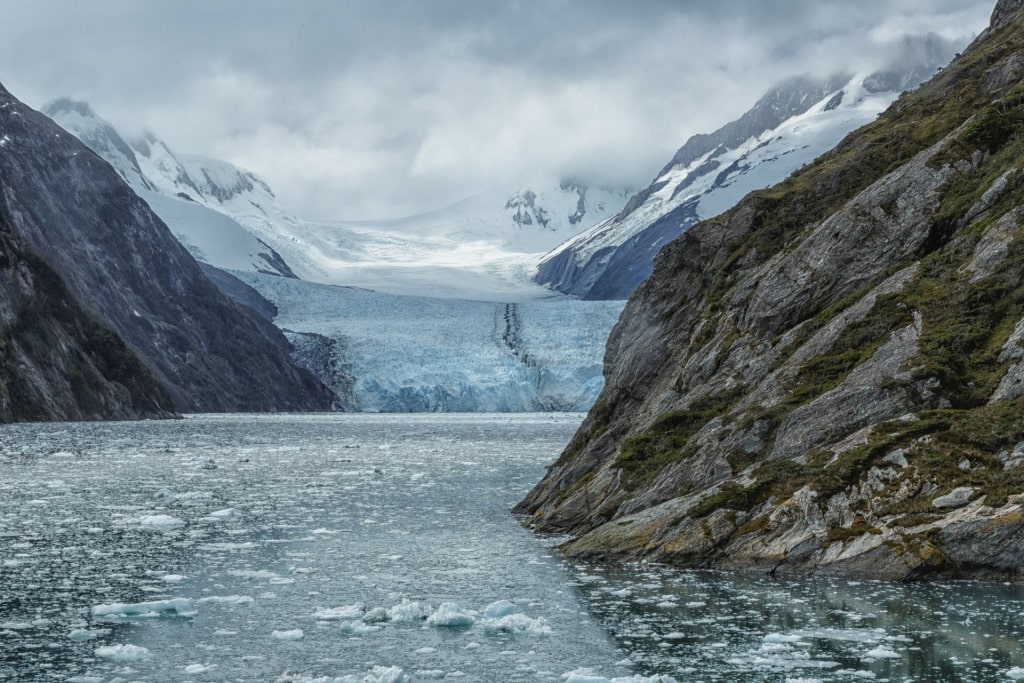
(424, 354)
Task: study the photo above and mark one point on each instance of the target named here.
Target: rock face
(70, 211)
(827, 378)
(56, 362)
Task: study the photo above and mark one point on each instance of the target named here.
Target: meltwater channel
(380, 549)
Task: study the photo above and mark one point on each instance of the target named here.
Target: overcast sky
(383, 108)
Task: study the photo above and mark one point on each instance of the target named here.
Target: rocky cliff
(57, 362)
(71, 218)
(830, 376)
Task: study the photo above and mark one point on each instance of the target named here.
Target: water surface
(373, 548)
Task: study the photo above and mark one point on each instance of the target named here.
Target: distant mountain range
(485, 246)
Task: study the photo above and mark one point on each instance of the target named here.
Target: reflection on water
(712, 626)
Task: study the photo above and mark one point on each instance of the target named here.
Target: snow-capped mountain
(484, 247)
(186, 192)
(793, 123)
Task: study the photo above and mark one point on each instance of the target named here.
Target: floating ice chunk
(206, 463)
(222, 515)
(182, 607)
(450, 614)
(518, 623)
(584, 676)
(425, 651)
(294, 634)
(588, 676)
(228, 546)
(198, 668)
(410, 611)
(1015, 674)
(81, 634)
(123, 653)
(357, 627)
(159, 522)
(253, 573)
(880, 652)
(227, 600)
(376, 615)
(695, 604)
(348, 612)
(172, 578)
(85, 679)
(391, 674)
(782, 638)
(16, 625)
(379, 674)
(501, 608)
(193, 495)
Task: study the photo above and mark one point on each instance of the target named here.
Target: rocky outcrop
(120, 265)
(827, 377)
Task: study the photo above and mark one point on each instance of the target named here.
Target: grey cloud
(362, 108)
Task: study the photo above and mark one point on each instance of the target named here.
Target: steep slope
(56, 362)
(123, 267)
(829, 377)
(791, 125)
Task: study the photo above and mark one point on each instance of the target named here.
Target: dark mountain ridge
(121, 267)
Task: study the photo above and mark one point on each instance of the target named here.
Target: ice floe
(123, 653)
(181, 607)
(293, 634)
(348, 612)
(450, 614)
(232, 600)
(158, 522)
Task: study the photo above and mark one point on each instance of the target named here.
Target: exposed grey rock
(1011, 386)
(897, 457)
(1014, 458)
(994, 246)
(958, 497)
(1004, 11)
(864, 398)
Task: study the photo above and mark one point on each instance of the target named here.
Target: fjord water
(380, 548)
